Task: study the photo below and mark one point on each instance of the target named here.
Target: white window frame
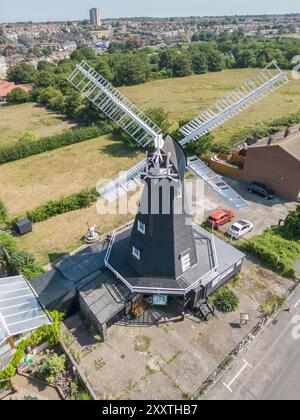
(136, 253)
(141, 227)
(185, 262)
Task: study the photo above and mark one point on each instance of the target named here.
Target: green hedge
(274, 250)
(50, 333)
(73, 202)
(28, 147)
(21, 261)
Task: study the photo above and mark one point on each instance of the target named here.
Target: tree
(22, 73)
(18, 96)
(51, 97)
(199, 63)
(246, 59)
(160, 117)
(201, 147)
(104, 69)
(167, 58)
(83, 53)
(215, 61)
(73, 102)
(181, 65)
(132, 69)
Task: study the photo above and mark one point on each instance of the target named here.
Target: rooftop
(214, 257)
(7, 87)
(290, 144)
(20, 310)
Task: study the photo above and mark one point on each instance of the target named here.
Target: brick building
(275, 162)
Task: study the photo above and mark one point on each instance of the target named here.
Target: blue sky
(43, 10)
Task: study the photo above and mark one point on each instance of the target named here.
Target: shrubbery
(51, 367)
(278, 248)
(50, 333)
(28, 147)
(21, 261)
(226, 300)
(3, 212)
(73, 202)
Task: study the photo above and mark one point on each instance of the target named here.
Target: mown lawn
(15, 120)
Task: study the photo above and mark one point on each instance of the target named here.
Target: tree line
(131, 66)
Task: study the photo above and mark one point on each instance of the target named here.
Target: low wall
(226, 169)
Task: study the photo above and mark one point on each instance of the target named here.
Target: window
(141, 227)
(186, 262)
(136, 253)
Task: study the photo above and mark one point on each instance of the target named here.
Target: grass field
(187, 97)
(29, 182)
(55, 237)
(32, 181)
(15, 120)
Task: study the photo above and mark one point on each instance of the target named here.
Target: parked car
(239, 229)
(262, 190)
(220, 218)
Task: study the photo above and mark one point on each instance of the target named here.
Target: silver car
(239, 229)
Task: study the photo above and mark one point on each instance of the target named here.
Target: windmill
(161, 253)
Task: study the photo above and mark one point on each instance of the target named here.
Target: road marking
(246, 364)
(297, 304)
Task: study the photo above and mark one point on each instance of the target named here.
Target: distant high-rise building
(95, 17)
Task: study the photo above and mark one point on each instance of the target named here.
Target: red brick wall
(275, 168)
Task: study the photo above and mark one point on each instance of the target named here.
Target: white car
(239, 229)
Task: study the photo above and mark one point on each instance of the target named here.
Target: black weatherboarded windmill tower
(162, 253)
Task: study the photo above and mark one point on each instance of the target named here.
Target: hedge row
(50, 333)
(73, 202)
(263, 130)
(21, 261)
(28, 147)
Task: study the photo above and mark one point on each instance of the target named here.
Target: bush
(50, 333)
(18, 96)
(27, 147)
(73, 202)
(226, 300)
(51, 367)
(270, 306)
(274, 250)
(21, 261)
(3, 212)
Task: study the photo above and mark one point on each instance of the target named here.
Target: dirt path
(31, 389)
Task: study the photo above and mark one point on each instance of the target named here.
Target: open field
(187, 97)
(15, 120)
(30, 182)
(52, 239)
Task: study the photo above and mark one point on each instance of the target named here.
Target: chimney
(287, 132)
(270, 140)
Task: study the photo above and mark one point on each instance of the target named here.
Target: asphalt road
(270, 368)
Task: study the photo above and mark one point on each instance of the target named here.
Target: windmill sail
(115, 105)
(125, 183)
(143, 130)
(216, 183)
(261, 85)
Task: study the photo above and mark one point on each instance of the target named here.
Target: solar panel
(20, 310)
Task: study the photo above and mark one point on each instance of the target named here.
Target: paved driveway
(262, 213)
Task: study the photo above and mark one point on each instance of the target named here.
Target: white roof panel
(20, 310)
